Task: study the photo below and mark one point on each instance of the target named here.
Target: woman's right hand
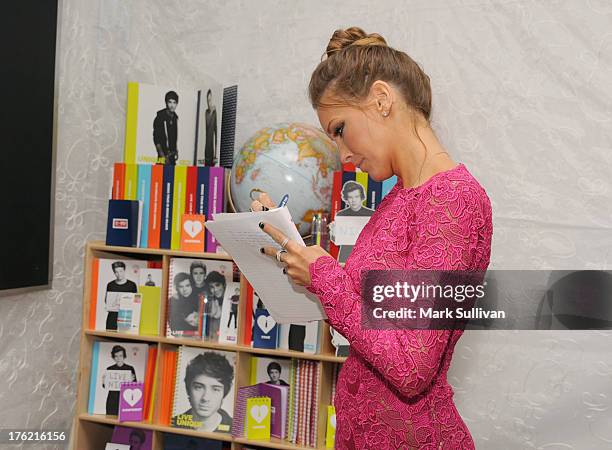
(263, 200)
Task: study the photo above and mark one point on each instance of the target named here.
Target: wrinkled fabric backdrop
(522, 95)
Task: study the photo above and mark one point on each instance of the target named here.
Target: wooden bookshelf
(92, 431)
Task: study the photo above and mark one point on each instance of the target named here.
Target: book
(178, 205)
(118, 187)
(128, 318)
(131, 182)
(139, 438)
(113, 363)
(149, 287)
(258, 412)
(209, 111)
(228, 125)
(191, 190)
(110, 279)
(204, 390)
(228, 330)
(123, 223)
(160, 125)
(330, 433)
(155, 208)
(165, 239)
(279, 401)
(276, 371)
(216, 182)
(131, 401)
(196, 293)
(113, 446)
(265, 330)
(299, 337)
(182, 442)
(144, 196)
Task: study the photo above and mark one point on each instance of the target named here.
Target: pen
(284, 201)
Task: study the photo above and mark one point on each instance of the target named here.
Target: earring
(385, 113)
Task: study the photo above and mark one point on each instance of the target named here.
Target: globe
(287, 158)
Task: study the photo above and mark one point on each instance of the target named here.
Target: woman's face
(359, 134)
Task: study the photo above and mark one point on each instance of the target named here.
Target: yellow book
(253, 376)
(149, 313)
(362, 179)
(330, 435)
(258, 418)
(131, 182)
(180, 185)
(131, 124)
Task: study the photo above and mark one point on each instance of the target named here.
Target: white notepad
(240, 236)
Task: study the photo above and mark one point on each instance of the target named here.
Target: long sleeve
(444, 238)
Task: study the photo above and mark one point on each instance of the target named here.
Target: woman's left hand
(297, 258)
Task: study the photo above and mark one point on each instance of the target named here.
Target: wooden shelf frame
(91, 431)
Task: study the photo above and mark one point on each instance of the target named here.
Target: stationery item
(182, 442)
(144, 196)
(113, 446)
(299, 337)
(215, 202)
(128, 319)
(178, 205)
(241, 237)
(166, 209)
(265, 331)
(330, 434)
(239, 422)
(284, 201)
(123, 226)
(131, 182)
(228, 125)
(149, 288)
(192, 233)
(155, 208)
(228, 330)
(278, 413)
(140, 439)
(118, 189)
(258, 418)
(131, 402)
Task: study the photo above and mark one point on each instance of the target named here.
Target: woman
(375, 103)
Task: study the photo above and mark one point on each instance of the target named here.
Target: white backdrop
(522, 96)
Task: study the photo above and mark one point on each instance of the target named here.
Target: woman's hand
(297, 258)
(263, 203)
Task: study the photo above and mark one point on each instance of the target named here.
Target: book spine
(335, 207)
(374, 193)
(165, 240)
(248, 319)
(362, 179)
(228, 126)
(131, 182)
(180, 182)
(131, 123)
(215, 202)
(191, 190)
(170, 293)
(155, 208)
(144, 195)
(93, 302)
(202, 191)
(92, 381)
(118, 189)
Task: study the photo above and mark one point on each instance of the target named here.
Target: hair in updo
(352, 62)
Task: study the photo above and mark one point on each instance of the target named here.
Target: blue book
(165, 240)
(265, 330)
(387, 185)
(144, 195)
(123, 226)
(374, 193)
(202, 191)
(94, 373)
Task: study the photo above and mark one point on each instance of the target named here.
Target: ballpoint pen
(284, 201)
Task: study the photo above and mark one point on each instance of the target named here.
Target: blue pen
(284, 201)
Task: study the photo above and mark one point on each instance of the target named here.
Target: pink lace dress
(392, 391)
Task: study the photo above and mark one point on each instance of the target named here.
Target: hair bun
(352, 36)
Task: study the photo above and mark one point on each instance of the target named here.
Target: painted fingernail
(265, 208)
(261, 225)
(262, 250)
(285, 270)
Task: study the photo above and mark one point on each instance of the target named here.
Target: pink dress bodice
(392, 391)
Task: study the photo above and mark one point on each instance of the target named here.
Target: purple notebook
(131, 402)
(279, 407)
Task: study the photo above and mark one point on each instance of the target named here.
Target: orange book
(118, 181)
(155, 205)
(171, 383)
(149, 378)
(95, 268)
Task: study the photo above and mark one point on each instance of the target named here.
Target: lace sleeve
(407, 359)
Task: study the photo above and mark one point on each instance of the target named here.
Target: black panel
(26, 136)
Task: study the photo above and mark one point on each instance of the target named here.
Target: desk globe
(287, 158)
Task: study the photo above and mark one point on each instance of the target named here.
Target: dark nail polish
(262, 250)
(265, 208)
(261, 225)
(285, 270)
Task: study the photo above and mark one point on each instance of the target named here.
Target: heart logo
(266, 323)
(132, 396)
(259, 413)
(192, 228)
(332, 421)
